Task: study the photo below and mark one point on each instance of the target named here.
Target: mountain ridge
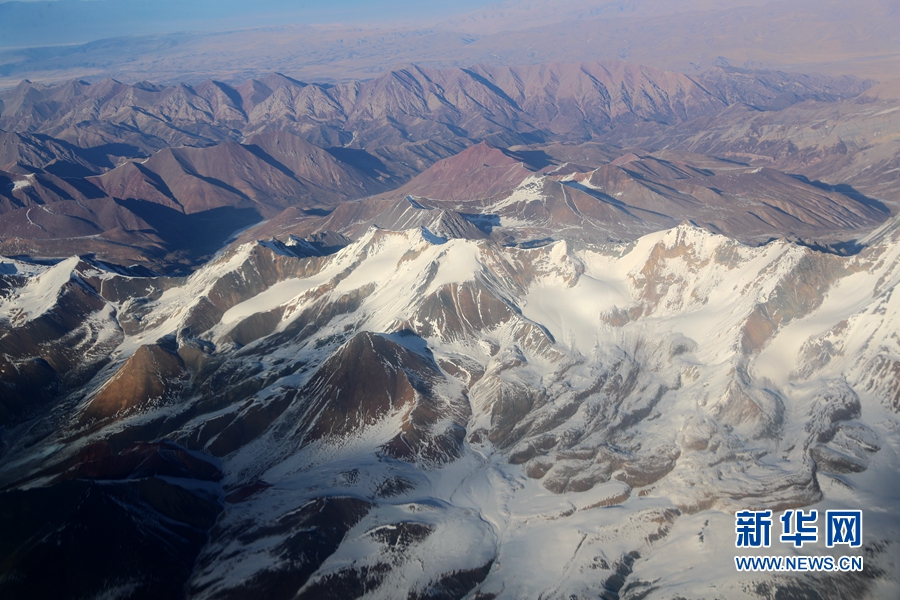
(488, 332)
(491, 367)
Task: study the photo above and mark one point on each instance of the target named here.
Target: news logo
(798, 527)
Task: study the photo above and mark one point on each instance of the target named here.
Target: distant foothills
(122, 171)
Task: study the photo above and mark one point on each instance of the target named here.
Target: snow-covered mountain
(431, 414)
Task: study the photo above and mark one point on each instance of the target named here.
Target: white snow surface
(40, 294)
(546, 544)
(20, 184)
(711, 359)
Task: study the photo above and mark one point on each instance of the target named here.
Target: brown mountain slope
(19, 190)
(180, 200)
(480, 171)
(413, 103)
(418, 103)
(852, 144)
(150, 377)
(735, 201)
(565, 95)
(25, 153)
(399, 383)
(310, 163)
(231, 175)
(634, 194)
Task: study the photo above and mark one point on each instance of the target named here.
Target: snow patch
(20, 184)
(39, 295)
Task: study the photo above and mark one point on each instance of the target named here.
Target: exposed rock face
(57, 333)
(193, 180)
(372, 378)
(512, 201)
(410, 102)
(180, 201)
(850, 145)
(574, 101)
(149, 377)
(413, 396)
(163, 175)
(775, 90)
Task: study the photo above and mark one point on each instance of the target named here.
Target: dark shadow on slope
(221, 185)
(49, 185)
(328, 242)
(90, 534)
(194, 235)
(133, 271)
(507, 138)
(484, 222)
(158, 182)
(537, 159)
(527, 245)
(493, 87)
(266, 158)
(410, 340)
(732, 161)
(317, 212)
(68, 170)
(360, 160)
(841, 248)
(618, 204)
(849, 191)
(85, 187)
(99, 155)
(847, 248)
(232, 94)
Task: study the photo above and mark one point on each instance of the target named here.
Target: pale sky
(43, 22)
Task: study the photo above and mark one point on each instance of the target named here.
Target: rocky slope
(526, 195)
(850, 145)
(409, 104)
(175, 207)
(163, 175)
(431, 416)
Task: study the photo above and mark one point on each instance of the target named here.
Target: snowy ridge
(40, 294)
(519, 422)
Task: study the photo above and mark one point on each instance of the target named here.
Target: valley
(516, 319)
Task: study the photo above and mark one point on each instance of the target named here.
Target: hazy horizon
(56, 22)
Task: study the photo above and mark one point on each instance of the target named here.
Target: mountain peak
(478, 172)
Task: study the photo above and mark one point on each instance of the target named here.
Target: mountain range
(465, 332)
(593, 412)
(123, 171)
